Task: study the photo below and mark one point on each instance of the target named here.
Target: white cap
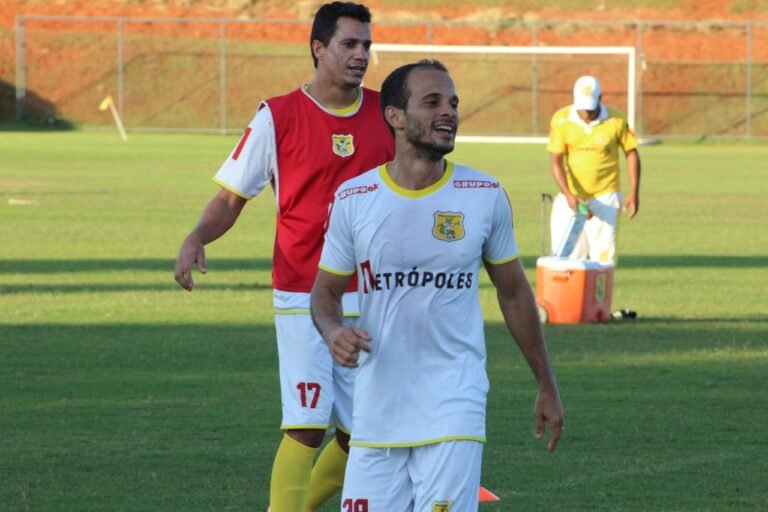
(586, 93)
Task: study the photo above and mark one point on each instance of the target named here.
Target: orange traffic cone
(486, 495)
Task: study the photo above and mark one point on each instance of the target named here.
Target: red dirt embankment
(453, 10)
(685, 44)
(705, 41)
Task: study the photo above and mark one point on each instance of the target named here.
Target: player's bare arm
(345, 343)
(632, 204)
(219, 215)
(558, 172)
(518, 307)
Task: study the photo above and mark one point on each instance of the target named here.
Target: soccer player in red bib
(304, 145)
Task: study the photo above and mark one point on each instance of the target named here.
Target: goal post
(568, 62)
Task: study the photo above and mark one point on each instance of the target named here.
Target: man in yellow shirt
(584, 142)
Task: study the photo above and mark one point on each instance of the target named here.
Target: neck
(413, 173)
(331, 96)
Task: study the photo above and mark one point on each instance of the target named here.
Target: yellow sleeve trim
(505, 260)
(292, 312)
(321, 427)
(296, 427)
(342, 429)
(308, 312)
(336, 272)
(417, 443)
(234, 191)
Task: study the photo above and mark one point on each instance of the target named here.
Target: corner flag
(107, 103)
(104, 105)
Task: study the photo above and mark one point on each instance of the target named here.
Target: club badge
(449, 226)
(343, 145)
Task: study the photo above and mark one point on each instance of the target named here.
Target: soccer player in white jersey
(415, 232)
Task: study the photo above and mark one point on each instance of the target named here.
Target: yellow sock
(327, 475)
(290, 476)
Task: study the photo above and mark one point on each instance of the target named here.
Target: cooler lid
(563, 263)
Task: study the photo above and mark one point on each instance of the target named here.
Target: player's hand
(346, 343)
(192, 251)
(548, 409)
(631, 206)
(574, 202)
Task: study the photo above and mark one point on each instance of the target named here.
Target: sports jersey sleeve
(252, 163)
(627, 138)
(501, 246)
(338, 256)
(556, 139)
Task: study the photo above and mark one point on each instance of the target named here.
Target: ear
(317, 48)
(395, 117)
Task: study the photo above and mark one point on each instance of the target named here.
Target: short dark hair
(326, 18)
(394, 89)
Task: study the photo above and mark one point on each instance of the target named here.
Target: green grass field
(121, 392)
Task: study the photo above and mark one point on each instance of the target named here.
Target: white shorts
(431, 478)
(598, 240)
(316, 392)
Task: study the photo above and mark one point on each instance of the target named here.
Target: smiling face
(431, 115)
(344, 60)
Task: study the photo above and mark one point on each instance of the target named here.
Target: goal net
(509, 93)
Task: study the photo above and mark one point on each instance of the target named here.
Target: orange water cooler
(573, 291)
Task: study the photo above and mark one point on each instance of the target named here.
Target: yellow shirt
(591, 150)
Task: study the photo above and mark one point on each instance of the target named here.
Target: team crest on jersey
(449, 226)
(602, 140)
(343, 145)
(441, 506)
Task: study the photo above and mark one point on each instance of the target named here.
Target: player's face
(589, 115)
(345, 59)
(432, 114)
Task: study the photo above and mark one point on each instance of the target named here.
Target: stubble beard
(415, 134)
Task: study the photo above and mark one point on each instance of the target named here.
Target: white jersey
(417, 256)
